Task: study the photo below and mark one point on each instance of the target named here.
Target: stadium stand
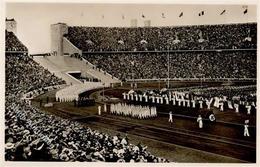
(194, 51)
(198, 37)
(31, 135)
(13, 43)
(242, 64)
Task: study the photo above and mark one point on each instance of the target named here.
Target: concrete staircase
(60, 65)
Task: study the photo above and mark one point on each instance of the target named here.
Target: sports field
(220, 141)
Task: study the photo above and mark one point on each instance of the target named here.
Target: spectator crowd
(196, 37)
(12, 43)
(235, 64)
(32, 135)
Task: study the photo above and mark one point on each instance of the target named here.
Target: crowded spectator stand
(32, 135)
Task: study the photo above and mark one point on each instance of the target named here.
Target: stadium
(134, 93)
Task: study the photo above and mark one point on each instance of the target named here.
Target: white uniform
(199, 120)
(161, 99)
(173, 101)
(132, 96)
(193, 103)
(236, 107)
(170, 117)
(105, 108)
(248, 107)
(188, 103)
(167, 100)
(179, 102)
(208, 104)
(157, 100)
(221, 104)
(124, 96)
(140, 97)
(99, 110)
(153, 99)
(183, 103)
(136, 97)
(146, 98)
(246, 132)
(201, 104)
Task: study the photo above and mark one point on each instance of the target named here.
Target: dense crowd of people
(32, 135)
(12, 43)
(17, 66)
(196, 37)
(35, 136)
(235, 64)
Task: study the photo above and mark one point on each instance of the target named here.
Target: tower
(57, 32)
(11, 25)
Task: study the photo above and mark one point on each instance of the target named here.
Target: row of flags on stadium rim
(201, 13)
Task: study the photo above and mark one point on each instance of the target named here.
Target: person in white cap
(246, 131)
(199, 120)
(170, 117)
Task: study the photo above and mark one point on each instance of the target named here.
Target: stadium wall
(69, 48)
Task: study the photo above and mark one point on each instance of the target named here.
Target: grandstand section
(13, 44)
(202, 37)
(189, 65)
(32, 135)
(193, 51)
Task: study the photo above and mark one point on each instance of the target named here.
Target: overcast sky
(34, 20)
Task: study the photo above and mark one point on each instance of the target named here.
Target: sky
(34, 19)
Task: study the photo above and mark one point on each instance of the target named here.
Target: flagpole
(168, 67)
(132, 64)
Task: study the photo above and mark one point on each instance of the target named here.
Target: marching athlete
(199, 120)
(170, 117)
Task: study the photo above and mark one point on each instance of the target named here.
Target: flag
(222, 12)
(201, 13)
(245, 11)
(163, 16)
(181, 14)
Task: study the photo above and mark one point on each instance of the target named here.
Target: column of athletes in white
(178, 99)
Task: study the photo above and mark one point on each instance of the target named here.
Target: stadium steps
(82, 66)
(60, 65)
(54, 68)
